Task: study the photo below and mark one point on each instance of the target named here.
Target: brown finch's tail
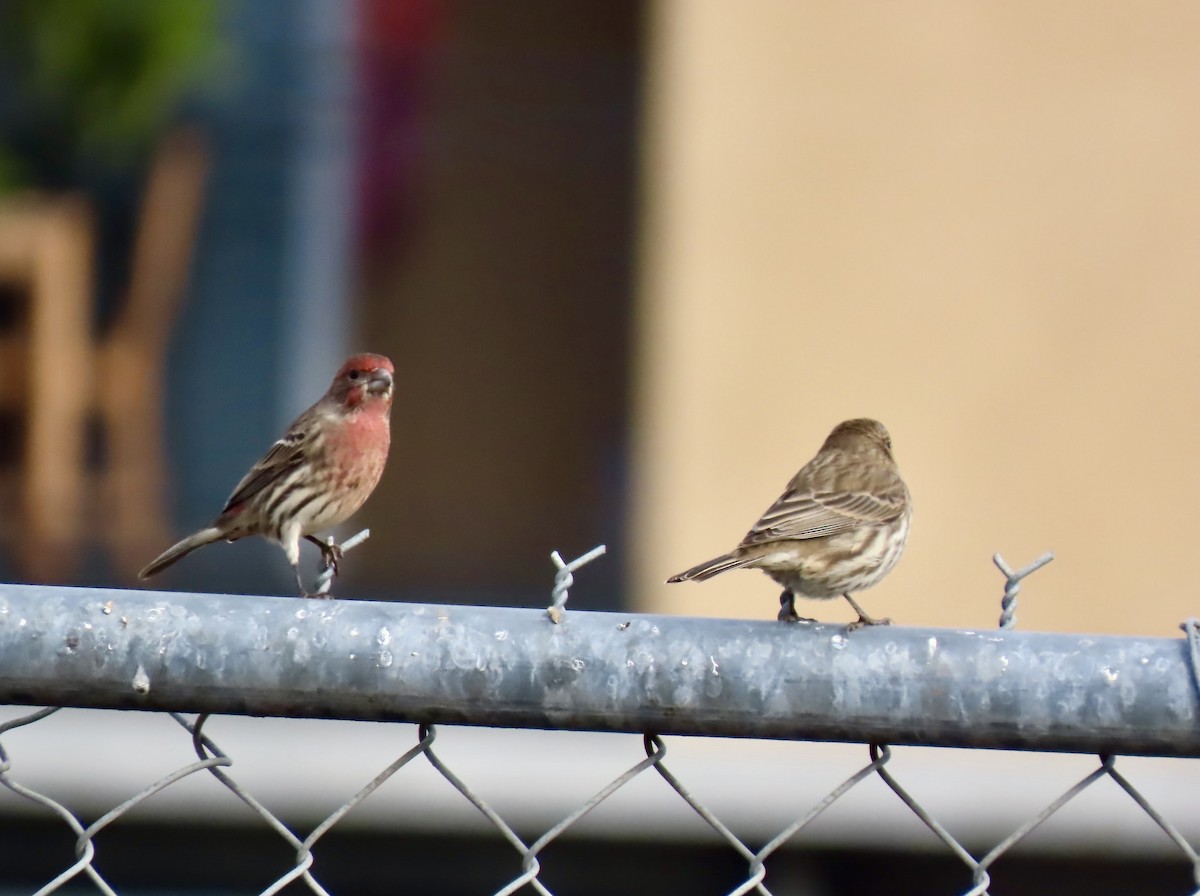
(173, 553)
(710, 568)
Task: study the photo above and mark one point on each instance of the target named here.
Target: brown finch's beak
(380, 382)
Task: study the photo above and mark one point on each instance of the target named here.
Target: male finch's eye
(353, 374)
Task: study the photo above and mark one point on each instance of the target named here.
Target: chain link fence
(663, 678)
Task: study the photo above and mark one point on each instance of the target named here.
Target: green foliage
(13, 172)
(104, 75)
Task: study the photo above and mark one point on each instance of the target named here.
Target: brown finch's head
(364, 381)
(862, 434)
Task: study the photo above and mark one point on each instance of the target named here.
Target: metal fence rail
(659, 676)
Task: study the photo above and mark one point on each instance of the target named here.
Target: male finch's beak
(380, 382)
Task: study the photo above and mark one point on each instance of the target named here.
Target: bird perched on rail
(838, 528)
(316, 476)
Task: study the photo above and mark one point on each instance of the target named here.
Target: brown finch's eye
(353, 374)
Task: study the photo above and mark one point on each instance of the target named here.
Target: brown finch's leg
(863, 618)
(331, 554)
(787, 609)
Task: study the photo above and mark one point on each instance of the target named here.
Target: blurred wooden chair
(56, 377)
(45, 379)
(131, 360)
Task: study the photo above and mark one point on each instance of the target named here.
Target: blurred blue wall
(233, 380)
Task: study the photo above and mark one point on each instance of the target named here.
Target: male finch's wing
(285, 456)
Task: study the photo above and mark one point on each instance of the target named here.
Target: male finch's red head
(363, 378)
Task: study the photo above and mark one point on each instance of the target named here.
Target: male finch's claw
(331, 553)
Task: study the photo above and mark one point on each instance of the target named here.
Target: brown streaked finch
(315, 477)
(838, 528)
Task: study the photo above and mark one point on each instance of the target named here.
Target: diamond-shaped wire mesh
(581, 672)
(213, 761)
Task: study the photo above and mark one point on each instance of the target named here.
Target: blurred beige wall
(978, 222)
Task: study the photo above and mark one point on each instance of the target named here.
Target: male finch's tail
(182, 549)
(710, 568)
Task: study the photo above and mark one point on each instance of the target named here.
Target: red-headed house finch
(321, 471)
(839, 527)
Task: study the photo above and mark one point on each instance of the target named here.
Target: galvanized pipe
(511, 667)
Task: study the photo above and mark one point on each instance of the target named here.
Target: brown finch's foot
(787, 609)
(863, 618)
(331, 554)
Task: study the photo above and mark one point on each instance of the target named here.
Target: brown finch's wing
(802, 514)
(285, 455)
